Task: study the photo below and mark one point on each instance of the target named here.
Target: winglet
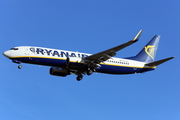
(136, 38)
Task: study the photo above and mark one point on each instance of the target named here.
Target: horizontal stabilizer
(156, 63)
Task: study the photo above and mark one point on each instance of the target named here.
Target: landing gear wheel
(20, 66)
(89, 72)
(93, 70)
(79, 77)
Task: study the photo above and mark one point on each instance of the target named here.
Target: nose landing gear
(19, 66)
(18, 62)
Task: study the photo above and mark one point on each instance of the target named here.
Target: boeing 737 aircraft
(64, 63)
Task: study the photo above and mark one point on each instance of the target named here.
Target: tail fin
(148, 53)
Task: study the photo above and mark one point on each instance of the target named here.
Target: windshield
(14, 49)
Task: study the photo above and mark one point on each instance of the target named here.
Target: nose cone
(7, 54)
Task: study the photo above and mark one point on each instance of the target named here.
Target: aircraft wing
(105, 55)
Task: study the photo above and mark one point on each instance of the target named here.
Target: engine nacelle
(58, 72)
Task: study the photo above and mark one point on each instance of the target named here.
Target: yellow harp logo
(150, 50)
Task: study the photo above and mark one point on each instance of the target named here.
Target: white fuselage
(57, 58)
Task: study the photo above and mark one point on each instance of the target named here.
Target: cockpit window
(14, 49)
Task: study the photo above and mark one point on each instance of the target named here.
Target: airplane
(64, 62)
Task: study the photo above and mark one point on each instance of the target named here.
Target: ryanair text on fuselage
(56, 53)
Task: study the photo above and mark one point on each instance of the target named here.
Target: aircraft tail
(148, 53)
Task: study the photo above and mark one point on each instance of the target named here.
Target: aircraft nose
(7, 54)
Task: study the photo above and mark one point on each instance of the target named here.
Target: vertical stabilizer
(148, 53)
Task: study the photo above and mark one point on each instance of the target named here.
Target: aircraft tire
(89, 72)
(79, 77)
(20, 66)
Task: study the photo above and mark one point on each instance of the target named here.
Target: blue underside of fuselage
(109, 69)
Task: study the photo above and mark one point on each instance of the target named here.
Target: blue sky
(90, 27)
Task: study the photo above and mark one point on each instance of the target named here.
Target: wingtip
(137, 36)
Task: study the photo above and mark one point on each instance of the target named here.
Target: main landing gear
(89, 72)
(79, 77)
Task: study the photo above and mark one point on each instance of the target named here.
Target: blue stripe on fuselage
(109, 69)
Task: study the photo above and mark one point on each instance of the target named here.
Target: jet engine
(59, 71)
